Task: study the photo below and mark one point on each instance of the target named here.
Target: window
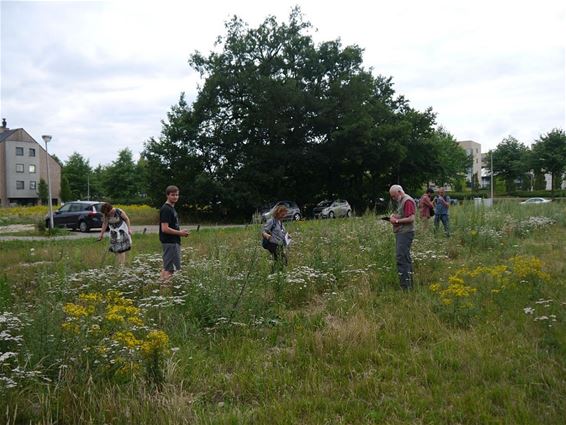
(65, 208)
(19, 168)
(19, 185)
(19, 151)
(33, 185)
(31, 151)
(32, 168)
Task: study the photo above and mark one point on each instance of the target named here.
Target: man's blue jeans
(403, 242)
(445, 221)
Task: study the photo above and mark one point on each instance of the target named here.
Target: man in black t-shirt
(170, 234)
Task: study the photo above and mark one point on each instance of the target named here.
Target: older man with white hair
(403, 222)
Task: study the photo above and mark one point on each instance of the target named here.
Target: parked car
(82, 215)
(381, 204)
(332, 209)
(293, 211)
(532, 201)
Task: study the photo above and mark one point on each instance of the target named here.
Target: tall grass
(139, 214)
(330, 340)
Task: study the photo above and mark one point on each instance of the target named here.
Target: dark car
(382, 204)
(293, 211)
(82, 215)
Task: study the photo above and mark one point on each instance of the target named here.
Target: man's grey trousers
(403, 243)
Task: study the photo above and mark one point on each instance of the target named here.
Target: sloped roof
(7, 133)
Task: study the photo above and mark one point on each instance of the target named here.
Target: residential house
(23, 162)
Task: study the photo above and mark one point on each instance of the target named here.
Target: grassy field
(332, 340)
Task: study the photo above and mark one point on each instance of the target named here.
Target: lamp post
(46, 138)
(491, 175)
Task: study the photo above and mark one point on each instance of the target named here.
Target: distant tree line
(524, 168)
(123, 181)
(280, 117)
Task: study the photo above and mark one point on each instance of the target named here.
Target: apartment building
(23, 162)
(474, 149)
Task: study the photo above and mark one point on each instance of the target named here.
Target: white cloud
(100, 75)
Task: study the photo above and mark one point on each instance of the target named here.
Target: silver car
(293, 211)
(535, 201)
(332, 209)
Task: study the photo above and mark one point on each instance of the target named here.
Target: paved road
(95, 233)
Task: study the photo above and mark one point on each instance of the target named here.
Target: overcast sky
(101, 75)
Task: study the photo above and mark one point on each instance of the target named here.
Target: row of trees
(525, 167)
(124, 180)
(280, 117)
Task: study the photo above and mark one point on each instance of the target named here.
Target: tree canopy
(279, 116)
(510, 161)
(549, 155)
(77, 170)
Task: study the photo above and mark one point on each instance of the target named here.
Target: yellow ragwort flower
(435, 287)
(155, 341)
(71, 327)
(128, 339)
(75, 310)
(91, 297)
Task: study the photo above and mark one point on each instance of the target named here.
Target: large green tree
(77, 171)
(281, 117)
(549, 155)
(66, 194)
(438, 157)
(510, 161)
(121, 179)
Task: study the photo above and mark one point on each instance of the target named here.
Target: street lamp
(491, 175)
(46, 138)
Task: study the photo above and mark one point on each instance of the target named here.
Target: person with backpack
(275, 238)
(118, 222)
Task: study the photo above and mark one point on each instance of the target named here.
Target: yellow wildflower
(155, 341)
(71, 327)
(454, 280)
(75, 310)
(128, 339)
(136, 321)
(118, 313)
(524, 267)
(91, 297)
(115, 297)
